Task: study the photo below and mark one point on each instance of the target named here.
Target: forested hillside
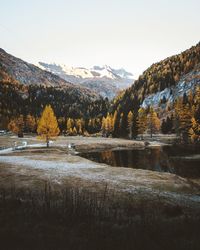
(21, 94)
(176, 75)
(161, 75)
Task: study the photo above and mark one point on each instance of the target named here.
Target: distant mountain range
(26, 89)
(104, 80)
(29, 74)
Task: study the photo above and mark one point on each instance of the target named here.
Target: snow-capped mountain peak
(102, 79)
(81, 72)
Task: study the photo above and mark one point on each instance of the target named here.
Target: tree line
(184, 121)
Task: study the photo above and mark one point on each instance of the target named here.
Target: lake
(182, 161)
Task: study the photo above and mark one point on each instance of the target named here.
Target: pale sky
(131, 34)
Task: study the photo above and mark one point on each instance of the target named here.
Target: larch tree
(74, 131)
(116, 118)
(69, 126)
(103, 126)
(153, 122)
(197, 104)
(185, 121)
(48, 125)
(107, 125)
(194, 131)
(30, 123)
(17, 126)
(130, 124)
(195, 128)
(178, 106)
(62, 124)
(79, 126)
(142, 121)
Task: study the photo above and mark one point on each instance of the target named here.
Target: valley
(74, 159)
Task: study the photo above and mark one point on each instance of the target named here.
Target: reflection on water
(184, 162)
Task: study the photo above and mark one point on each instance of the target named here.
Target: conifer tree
(194, 131)
(30, 123)
(116, 118)
(17, 126)
(109, 124)
(62, 124)
(185, 122)
(177, 109)
(130, 124)
(121, 124)
(197, 104)
(103, 126)
(69, 126)
(48, 125)
(74, 131)
(142, 121)
(153, 122)
(79, 126)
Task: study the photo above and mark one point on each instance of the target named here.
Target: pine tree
(48, 125)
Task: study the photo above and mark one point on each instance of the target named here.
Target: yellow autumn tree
(74, 131)
(17, 126)
(79, 126)
(153, 122)
(69, 126)
(107, 125)
(48, 125)
(30, 123)
(103, 125)
(130, 124)
(142, 121)
(185, 122)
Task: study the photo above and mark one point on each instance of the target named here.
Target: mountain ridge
(27, 89)
(105, 80)
(29, 74)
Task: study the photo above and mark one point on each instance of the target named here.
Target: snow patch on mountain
(81, 72)
(101, 79)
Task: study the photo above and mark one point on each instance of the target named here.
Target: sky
(130, 34)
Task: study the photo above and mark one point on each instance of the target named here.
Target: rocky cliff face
(187, 83)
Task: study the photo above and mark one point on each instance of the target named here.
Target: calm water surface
(173, 159)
